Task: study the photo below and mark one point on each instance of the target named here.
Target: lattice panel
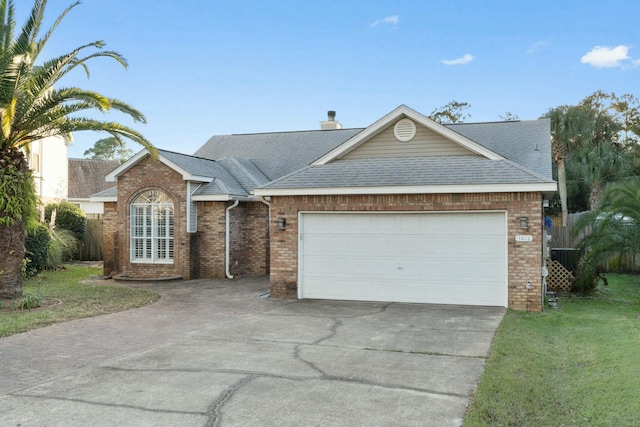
(559, 278)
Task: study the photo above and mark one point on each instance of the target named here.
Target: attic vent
(404, 130)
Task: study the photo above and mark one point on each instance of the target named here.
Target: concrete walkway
(211, 353)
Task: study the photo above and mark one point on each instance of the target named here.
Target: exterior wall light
(282, 223)
(524, 222)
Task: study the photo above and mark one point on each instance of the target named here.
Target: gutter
(227, 243)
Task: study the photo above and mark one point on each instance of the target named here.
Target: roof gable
(433, 136)
(425, 143)
(191, 168)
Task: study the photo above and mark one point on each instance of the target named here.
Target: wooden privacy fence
(561, 239)
(561, 236)
(92, 244)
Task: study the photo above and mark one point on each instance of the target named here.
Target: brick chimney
(331, 122)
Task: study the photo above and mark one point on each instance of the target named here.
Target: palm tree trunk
(562, 189)
(11, 256)
(595, 194)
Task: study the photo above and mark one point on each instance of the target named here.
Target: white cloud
(606, 57)
(460, 61)
(537, 46)
(389, 20)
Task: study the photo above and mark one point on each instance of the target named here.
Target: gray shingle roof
(223, 182)
(276, 154)
(409, 171)
(86, 176)
(244, 172)
(192, 164)
(109, 192)
(526, 142)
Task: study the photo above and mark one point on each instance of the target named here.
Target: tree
(593, 166)
(613, 228)
(509, 117)
(109, 149)
(33, 106)
(453, 112)
(570, 126)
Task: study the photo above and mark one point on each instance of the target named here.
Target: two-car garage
(442, 258)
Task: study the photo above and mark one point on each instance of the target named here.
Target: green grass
(578, 365)
(66, 299)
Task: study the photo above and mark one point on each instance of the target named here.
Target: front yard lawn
(64, 298)
(578, 365)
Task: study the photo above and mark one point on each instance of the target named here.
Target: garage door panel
(452, 258)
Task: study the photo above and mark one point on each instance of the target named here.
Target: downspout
(264, 200)
(227, 242)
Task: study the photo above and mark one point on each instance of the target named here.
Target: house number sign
(524, 238)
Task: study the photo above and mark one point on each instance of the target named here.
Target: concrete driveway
(211, 353)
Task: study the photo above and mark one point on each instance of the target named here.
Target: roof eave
(543, 187)
(103, 199)
(222, 198)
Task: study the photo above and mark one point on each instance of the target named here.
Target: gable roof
(231, 177)
(86, 176)
(501, 155)
(510, 156)
(401, 112)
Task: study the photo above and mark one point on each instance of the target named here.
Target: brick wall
(109, 237)
(196, 255)
(209, 247)
(249, 239)
(525, 258)
(146, 175)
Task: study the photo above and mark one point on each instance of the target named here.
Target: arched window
(152, 228)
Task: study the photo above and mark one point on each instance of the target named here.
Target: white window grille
(152, 228)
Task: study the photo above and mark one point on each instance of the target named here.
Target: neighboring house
(48, 162)
(404, 210)
(86, 177)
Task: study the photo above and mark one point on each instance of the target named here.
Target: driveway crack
(213, 412)
(332, 331)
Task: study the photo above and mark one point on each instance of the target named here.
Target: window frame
(151, 228)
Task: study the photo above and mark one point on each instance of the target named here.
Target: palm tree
(594, 165)
(613, 228)
(570, 128)
(33, 105)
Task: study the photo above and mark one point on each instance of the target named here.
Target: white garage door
(441, 258)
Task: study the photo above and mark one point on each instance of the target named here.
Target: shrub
(68, 217)
(36, 249)
(28, 302)
(62, 247)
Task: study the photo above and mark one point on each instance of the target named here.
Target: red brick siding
(200, 254)
(149, 174)
(109, 238)
(249, 239)
(210, 242)
(524, 259)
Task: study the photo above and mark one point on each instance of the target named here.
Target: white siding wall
(52, 178)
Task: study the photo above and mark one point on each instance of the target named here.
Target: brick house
(404, 210)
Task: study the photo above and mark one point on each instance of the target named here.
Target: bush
(62, 248)
(68, 217)
(36, 249)
(28, 302)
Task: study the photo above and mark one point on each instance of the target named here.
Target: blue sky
(200, 68)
